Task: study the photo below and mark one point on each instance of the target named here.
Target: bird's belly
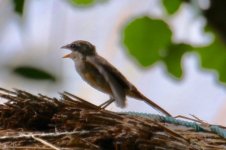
(95, 79)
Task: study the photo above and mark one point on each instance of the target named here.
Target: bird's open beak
(67, 56)
(66, 46)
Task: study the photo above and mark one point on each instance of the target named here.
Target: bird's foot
(106, 104)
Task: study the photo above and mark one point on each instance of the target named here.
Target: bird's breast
(93, 77)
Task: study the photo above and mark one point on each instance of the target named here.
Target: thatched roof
(39, 122)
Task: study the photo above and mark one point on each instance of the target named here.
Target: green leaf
(145, 38)
(171, 6)
(173, 56)
(86, 3)
(33, 73)
(213, 57)
(18, 6)
(82, 2)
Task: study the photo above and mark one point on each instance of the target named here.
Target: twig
(26, 147)
(200, 121)
(43, 135)
(191, 119)
(45, 142)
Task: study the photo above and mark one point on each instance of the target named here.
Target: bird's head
(80, 47)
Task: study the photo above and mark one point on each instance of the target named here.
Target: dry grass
(30, 121)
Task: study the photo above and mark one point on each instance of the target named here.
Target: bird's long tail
(140, 96)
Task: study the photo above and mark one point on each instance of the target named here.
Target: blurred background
(172, 50)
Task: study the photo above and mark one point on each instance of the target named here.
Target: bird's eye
(74, 46)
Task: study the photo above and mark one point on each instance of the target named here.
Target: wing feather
(118, 91)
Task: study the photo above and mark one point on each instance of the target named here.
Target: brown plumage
(101, 75)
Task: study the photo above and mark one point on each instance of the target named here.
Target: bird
(103, 76)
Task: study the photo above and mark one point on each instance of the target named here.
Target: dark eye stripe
(73, 46)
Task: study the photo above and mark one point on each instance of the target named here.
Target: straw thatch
(39, 122)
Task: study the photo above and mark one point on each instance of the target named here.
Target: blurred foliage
(171, 6)
(18, 6)
(213, 56)
(145, 38)
(150, 40)
(33, 73)
(86, 3)
(173, 56)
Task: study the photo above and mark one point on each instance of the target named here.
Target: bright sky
(50, 24)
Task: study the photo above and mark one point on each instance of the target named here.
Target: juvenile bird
(101, 75)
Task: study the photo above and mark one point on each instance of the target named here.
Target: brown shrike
(101, 75)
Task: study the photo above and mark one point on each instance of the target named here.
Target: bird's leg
(107, 103)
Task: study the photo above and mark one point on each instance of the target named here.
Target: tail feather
(138, 95)
(157, 107)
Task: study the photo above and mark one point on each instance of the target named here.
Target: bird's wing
(112, 76)
(116, 73)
